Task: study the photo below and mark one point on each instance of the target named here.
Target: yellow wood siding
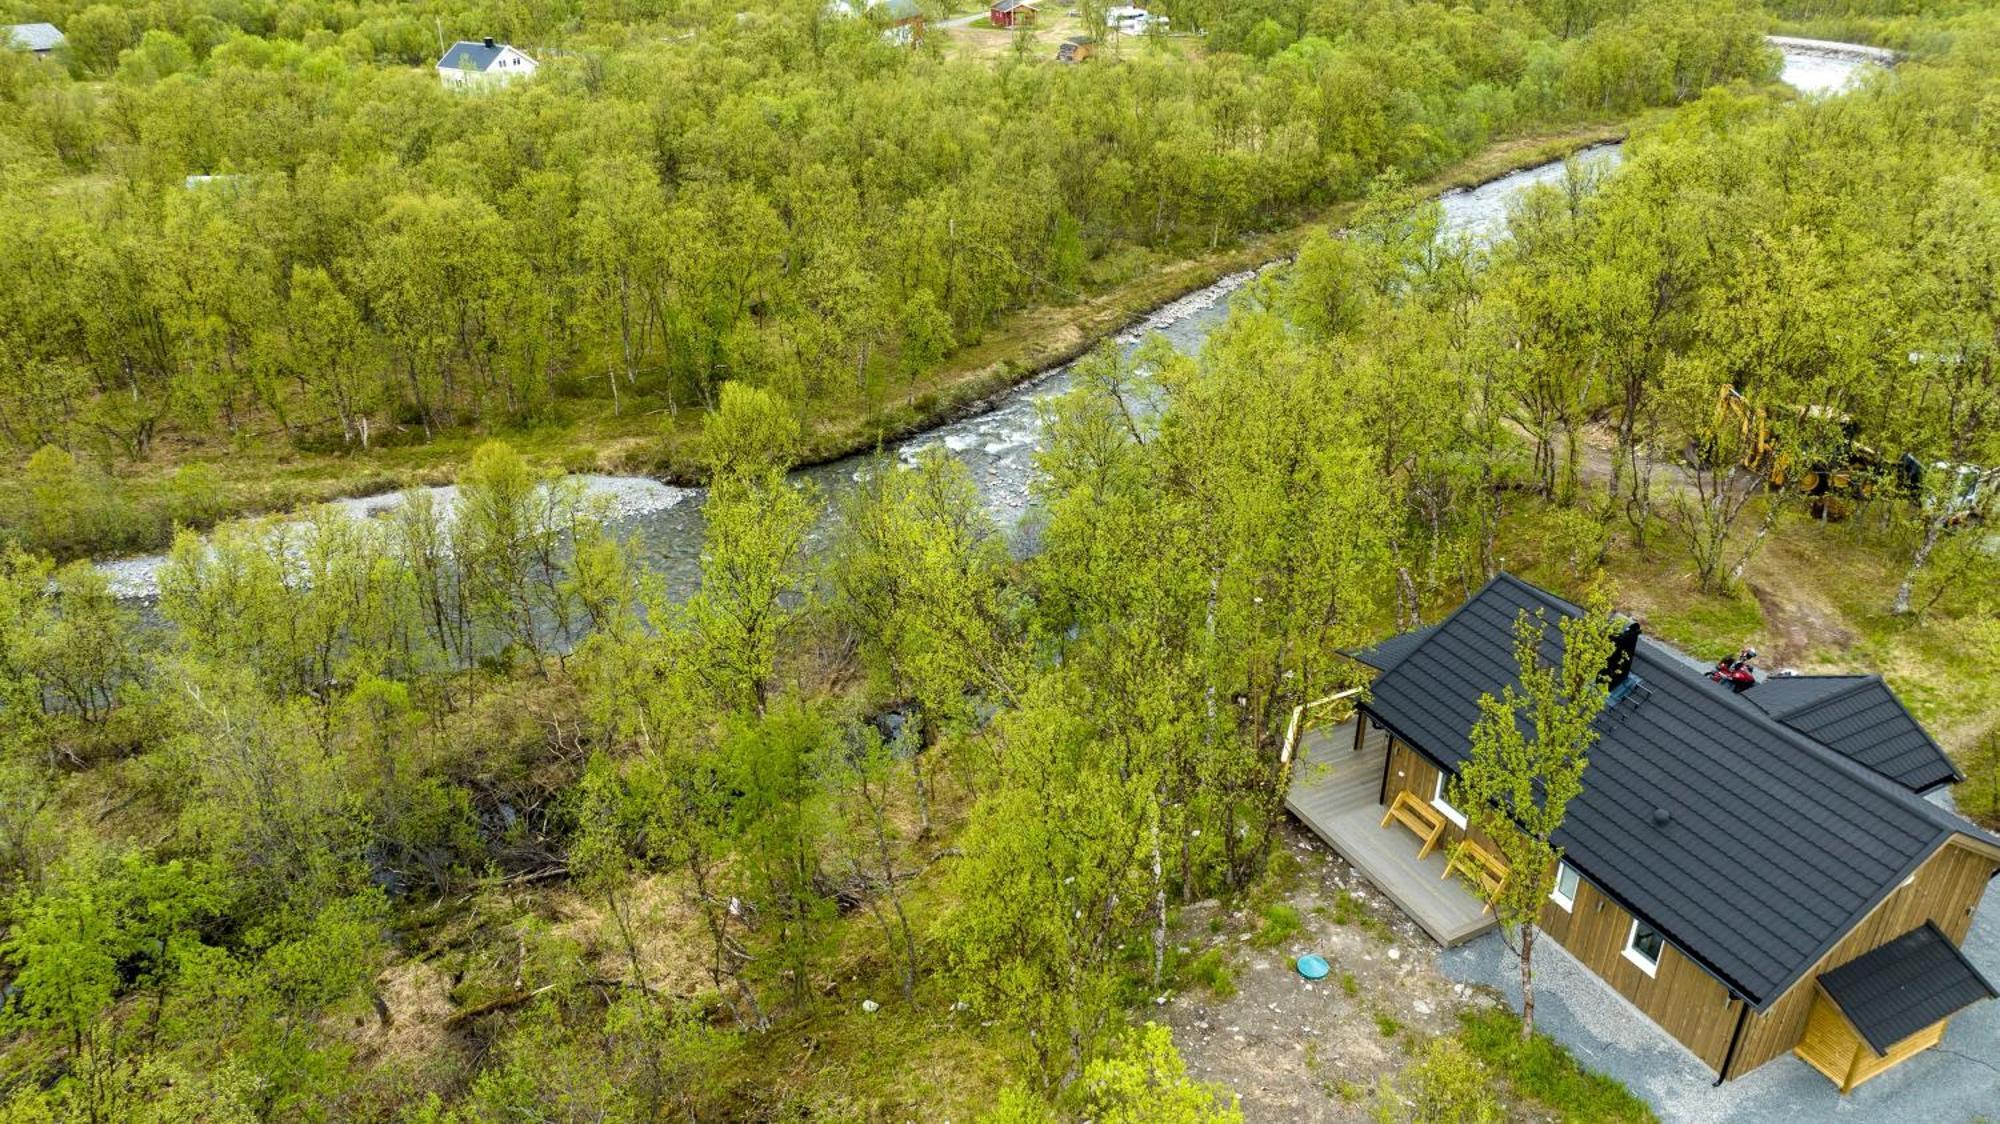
(1828, 1045)
(1409, 772)
(1680, 996)
(1831, 1045)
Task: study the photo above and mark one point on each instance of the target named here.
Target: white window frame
(1556, 895)
(1441, 804)
(1632, 953)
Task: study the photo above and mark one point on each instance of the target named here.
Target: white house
(1128, 20)
(484, 63)
(39, 38)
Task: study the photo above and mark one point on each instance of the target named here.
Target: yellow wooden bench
(1419, 817)
(1480, 865)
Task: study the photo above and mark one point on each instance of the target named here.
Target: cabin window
(1643, 945)
(1441, 804)
(1564, 894)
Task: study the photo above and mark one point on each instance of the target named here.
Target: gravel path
(1956, 1082)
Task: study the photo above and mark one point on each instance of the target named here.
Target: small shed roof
(35, 36)
(1914, 981)
(1859, 716)
(1012, 5)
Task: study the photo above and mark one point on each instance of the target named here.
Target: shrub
(1542, 1071)
(1211, 971)
(1281, 923)
(1445, 1085)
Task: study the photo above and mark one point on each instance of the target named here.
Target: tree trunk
(1159, 908)
(1933, 528)
(1527, 982)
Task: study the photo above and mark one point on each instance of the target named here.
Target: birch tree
(1530, 748)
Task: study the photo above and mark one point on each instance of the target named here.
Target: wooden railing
(1299, 723)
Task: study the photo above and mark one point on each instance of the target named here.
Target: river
(999, 442)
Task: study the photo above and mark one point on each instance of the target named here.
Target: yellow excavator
(1846, 472)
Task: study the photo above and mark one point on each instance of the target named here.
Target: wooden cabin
(1009, 13)
(1077, 48)
(1758, 873)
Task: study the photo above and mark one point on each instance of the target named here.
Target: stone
(870, 1006)
(1395, 954)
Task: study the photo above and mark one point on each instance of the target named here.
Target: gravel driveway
(1957, 1081)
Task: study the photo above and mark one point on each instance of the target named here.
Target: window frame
(1632, 953)
(1556, 895)
(1443, 805)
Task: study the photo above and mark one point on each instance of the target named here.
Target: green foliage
(1278, 923)
(374, 258)
(1210, 970)
(1529, 754)
(1446, 1084)
(470, 758)
(1543, 1072)
(1146, 1081)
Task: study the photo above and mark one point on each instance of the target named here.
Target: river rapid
(998, 443)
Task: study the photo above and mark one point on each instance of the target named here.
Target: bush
(1281, 923)
(1147, 1081)
(1542, 1071)
(1211, 971)
(1446, 1085)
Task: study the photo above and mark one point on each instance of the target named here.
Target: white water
(999, 443)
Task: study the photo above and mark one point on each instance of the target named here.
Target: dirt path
(1297, 1050)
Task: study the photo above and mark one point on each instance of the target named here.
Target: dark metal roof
(470, 56)
(1390, 652)
(1918, 979)
(1859, 715)
(1774, 845)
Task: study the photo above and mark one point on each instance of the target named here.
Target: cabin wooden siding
(1681, 997)
(1832, 1045)
(1945, 890)
(1410, 771)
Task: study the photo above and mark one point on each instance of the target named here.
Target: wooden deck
(1336, 792)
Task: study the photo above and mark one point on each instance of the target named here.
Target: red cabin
(1008, 13)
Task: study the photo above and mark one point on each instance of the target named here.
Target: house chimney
(489, 40)
(1624, 648)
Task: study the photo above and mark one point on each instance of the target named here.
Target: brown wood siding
(1680, 997)
(1945, 891)
(1409, 772)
